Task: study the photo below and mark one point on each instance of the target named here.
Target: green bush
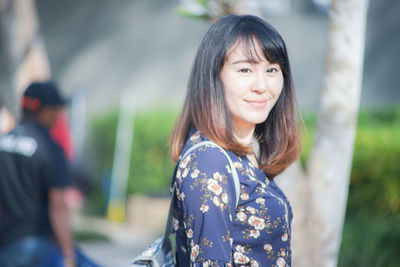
(371, 234)
(89, 236)
(375, 176)
(370, 241)
(151, 168)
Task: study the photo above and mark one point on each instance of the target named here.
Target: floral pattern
(211, 230)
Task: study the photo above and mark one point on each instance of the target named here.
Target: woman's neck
(244, 134)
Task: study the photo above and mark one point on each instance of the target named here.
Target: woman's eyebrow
(244, 61)
(251, 61)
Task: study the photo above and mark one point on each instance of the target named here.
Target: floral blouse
(211, 230)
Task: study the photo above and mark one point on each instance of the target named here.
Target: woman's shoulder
(200, 148)
(200, 154)
(204, 168)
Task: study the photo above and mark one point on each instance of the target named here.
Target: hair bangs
(273, 52)
(252, 32)
(248, 46)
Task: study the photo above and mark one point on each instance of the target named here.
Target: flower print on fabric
(211, 230)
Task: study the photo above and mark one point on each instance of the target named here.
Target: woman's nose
(260, 82)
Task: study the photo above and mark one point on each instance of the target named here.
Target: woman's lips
(259, 103)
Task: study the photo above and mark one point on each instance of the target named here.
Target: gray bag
(159, 253)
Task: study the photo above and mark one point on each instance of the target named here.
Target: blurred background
(125, 65)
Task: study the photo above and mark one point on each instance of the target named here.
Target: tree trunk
(22, 49)
(330, 159)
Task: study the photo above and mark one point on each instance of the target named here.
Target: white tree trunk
(330, 160)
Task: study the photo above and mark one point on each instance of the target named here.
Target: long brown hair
(205, 108)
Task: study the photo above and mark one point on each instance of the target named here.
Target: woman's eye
(244, 70)
(270, 70)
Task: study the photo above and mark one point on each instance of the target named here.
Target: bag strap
(168, 227)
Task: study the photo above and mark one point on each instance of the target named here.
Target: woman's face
(251, 88)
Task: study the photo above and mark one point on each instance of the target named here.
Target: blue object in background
(55, 259)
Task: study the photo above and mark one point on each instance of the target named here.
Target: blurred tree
(22, 50)
(208, 9)
(319, 194)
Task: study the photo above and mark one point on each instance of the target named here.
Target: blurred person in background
(240, 96)
(33, 177)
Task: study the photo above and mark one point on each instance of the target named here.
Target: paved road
(123, 245)
(110, 254)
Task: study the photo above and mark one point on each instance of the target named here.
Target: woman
(241, 97)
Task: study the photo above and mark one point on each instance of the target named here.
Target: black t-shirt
(31, 164)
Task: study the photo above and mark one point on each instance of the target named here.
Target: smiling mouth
(258, 103)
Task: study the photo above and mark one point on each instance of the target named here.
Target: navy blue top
(211, 230)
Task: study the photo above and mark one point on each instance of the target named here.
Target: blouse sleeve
(207, 195)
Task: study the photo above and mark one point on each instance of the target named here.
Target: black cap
(40, 94)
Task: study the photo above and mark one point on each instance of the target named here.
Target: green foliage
(371, 235)
(370, 241)
(307, 136)
(206, 9)
(376, 167)
(197, 9)
(89, 236)
(151, 168)
(103, 134)
(101, 146)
